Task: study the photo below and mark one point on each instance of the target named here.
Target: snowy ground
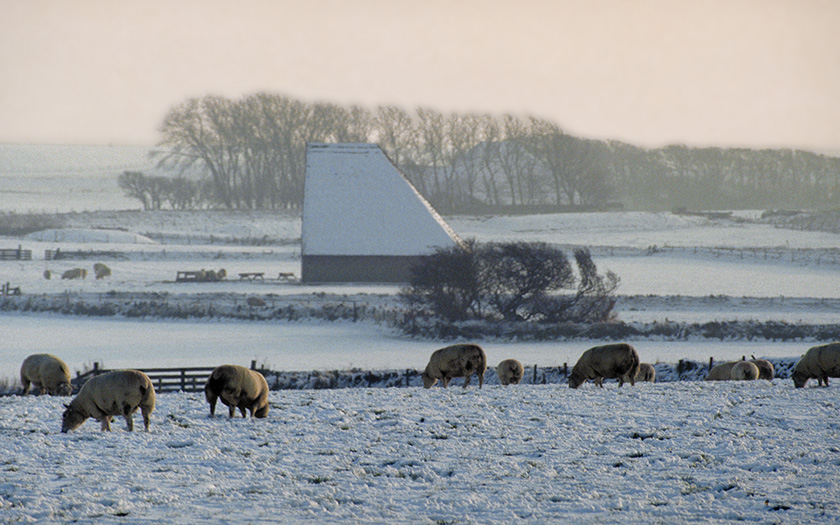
(663, 453)
(655, 453)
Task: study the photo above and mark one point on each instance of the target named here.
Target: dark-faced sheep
(460, 360)
(819, 362)
(615, 361)
(101, 271)
(49, 373)
(744, 371)
(237, 387)
(117, 393)
(646, 373)
(510, 372)
(765, 369)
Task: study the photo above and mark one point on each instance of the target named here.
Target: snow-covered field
(655, 453)
(665, 452)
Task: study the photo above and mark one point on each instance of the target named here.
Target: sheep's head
(428, 381)
(64, 389)
(261, 412)
(799, 379)
(71, 419)
(575, 380)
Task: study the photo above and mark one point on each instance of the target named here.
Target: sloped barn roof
(356, 203)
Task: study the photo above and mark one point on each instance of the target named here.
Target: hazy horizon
(736, 73)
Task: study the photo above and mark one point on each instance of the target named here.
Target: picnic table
(252, 276)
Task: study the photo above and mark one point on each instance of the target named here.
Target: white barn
(363, 221)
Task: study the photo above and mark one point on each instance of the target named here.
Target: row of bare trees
(251, 153)
(253, 150)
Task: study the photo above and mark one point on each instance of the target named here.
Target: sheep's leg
(231, 410)
(146, 417)
(26, 385)
(129, 422)
(467, 379)
(445, 381)
(106, 423)
(212, 401)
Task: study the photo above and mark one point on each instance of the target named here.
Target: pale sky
(753, 73)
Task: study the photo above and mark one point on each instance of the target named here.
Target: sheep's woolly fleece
(676, 452)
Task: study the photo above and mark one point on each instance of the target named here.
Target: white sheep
(237, 387)
(614, 361)
(820, 362)
(765, 369)
(102, 397)
(75, 273)
(646, 372)
(510, 372)
(459, 360)
(744, 371)
(101, 271)
(49, 373)
(721, 372)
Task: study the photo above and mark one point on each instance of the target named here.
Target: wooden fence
(187, 379)
(15, 254)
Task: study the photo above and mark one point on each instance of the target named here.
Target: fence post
(183, 380)
(254, 364)
(535, 374)
(711, 362)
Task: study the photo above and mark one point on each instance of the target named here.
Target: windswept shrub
(511, 282)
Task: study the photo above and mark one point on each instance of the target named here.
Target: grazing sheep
(614, 361)
(102, 397)
(820, 362)
(765, 369)
(744, 371)
(101, 271)
(75, 273)
(455, 361)
(49, 373)
(255, 302)
(221, 274)
(510, 371)
(237, 387)
(646, 373)
(721, 372)
(47, 275)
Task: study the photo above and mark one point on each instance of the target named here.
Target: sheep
(255, 302)
(765, 369)
(101, 271)
(619, 361)
(510, 371)
(721, 372)
(744, 371)
(237, 387)
(820, 362)
(75, 273)
(646, 373)
(104, 396)
(47, 275)
(49, 373)
(459, 360)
